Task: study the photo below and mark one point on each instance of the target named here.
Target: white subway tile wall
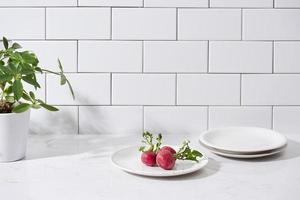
(172, 66)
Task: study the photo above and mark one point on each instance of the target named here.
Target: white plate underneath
(246, 155)
(243, 140)
(128, 159)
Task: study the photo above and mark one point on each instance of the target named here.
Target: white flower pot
(13, 135)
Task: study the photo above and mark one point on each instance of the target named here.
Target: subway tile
(143, 89)
(176, 3)
(29, 3)
(64, 121)
(49, 51)
(209, 24)
(242, 3)
(271, 24)
(112, 120)
(208, 89)
(182, 120)
(286, 57)
(126, 3)
(110, 56)
(287, 119)
(270, 89)
(89, 89)
(22, 23)
(78, 23)
(287, 3)
(240, 57)
(179, 56)
(144, 23)
(221, 116)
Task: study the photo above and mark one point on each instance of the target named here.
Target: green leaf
(10, 99)
(29, 58)
(5, 42)
(26, 97)
(48, 107)
(17, 89)
(5, 77)
(16, 46)
(26, 69)
(32, 95)
(63, 79)
(71, 89)
(21, 108)
(38, 69)
(30, 79)
(60, 66)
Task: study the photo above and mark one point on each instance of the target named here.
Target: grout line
(164, 40)
(78, 126)
(240, 89)
(186, 73)
(208, 56)
(273, 56)
(176, 90)
(77, 53)
(143, 56)
(242, 13)
(181, 105)
(273, 3)
(111, 85)
(111, 21)
(209, 4)
(272, 117)
(45, 23)
(176, 23)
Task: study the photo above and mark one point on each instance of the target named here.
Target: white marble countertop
(79, 168)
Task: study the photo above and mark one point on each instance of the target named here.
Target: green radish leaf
(5, 42)
(48, 107)
(16, 46)
(21, 108)
(17, 89)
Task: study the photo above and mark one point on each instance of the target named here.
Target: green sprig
(148, 141)
(186, 153)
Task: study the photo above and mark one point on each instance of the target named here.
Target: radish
(149, 158)
(168, 148)
(165, 159)
(150, 149)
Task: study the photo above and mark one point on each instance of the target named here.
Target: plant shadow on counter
(210, 169)
(290, 152)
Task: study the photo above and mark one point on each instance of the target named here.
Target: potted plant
(18, 68)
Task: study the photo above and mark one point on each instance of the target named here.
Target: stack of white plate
(243, 142)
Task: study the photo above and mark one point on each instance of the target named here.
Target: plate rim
(210, 146)
(168, 173)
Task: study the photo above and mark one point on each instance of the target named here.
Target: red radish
(148, 158)
(168, 148)
(165, 159)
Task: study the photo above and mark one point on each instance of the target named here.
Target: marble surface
(76, 167)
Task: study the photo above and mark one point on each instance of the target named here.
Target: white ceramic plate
(246, 155)
(249, 141)
(128, 159)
